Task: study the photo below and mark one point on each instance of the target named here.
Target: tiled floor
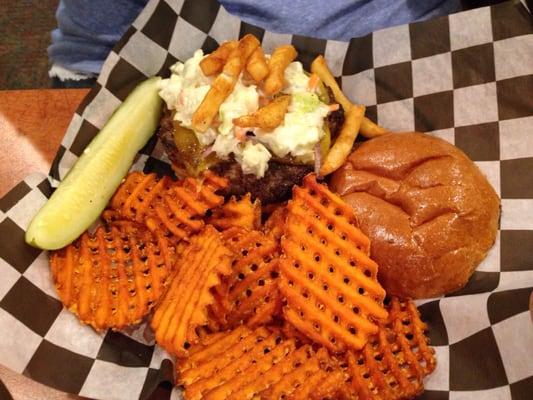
(25, 27)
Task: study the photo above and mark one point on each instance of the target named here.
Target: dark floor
(25, 27)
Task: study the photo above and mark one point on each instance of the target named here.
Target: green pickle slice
(87, 188)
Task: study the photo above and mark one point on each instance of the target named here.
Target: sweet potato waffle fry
(329, 281)
(245, 364)
(183, 308)
(275, 224)
(393, 363)
(320, 377)
(174, 208)
(241, 213)
(250, 294)
(113, 277)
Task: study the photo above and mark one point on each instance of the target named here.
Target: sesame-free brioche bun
(430, 213)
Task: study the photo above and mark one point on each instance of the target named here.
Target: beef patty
(279, 179)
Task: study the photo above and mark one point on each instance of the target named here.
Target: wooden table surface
(32, 124)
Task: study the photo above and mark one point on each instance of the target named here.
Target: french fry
(257, 65)
(327, 278)
(113, 277)
(174, 209)
(279, 61)
(183, 308)
(319, 66)
(343, 144)
(224, 83)
(241, 213)
(370, 130)
(267, 117)
(394, 362)
(214, 62)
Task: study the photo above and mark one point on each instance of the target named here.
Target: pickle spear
(87, 188)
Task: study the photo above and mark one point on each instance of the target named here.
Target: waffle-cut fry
(214, 62)
(394, 362)
(329, 281)
(113, 277)
(224, 83)
(290, 332)
(183, 308)
(257, 65)
(278, 62)
(214, 364)
(321, 385)
(268, 376)
(307, 380)
(267, 117)
(275, 224)
(175, 209)
(245, 364)
(134, 196)
(250, 294)
(237, 213)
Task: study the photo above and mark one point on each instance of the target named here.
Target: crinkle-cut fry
(224, 83)
(394, 363)
(250, 294)
(275, 224)
(267, 117)
(173, 209)
(327, 278)
(214, 63)
(278, 62)
(184, 306)
(113, 277)
(257, 65)
(319, 66)
(342, 147)
(237, 213)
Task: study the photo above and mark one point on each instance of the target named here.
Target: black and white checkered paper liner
(467, 78)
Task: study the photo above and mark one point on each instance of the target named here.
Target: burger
(266, 163)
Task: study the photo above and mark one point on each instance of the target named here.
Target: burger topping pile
(268, 112)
